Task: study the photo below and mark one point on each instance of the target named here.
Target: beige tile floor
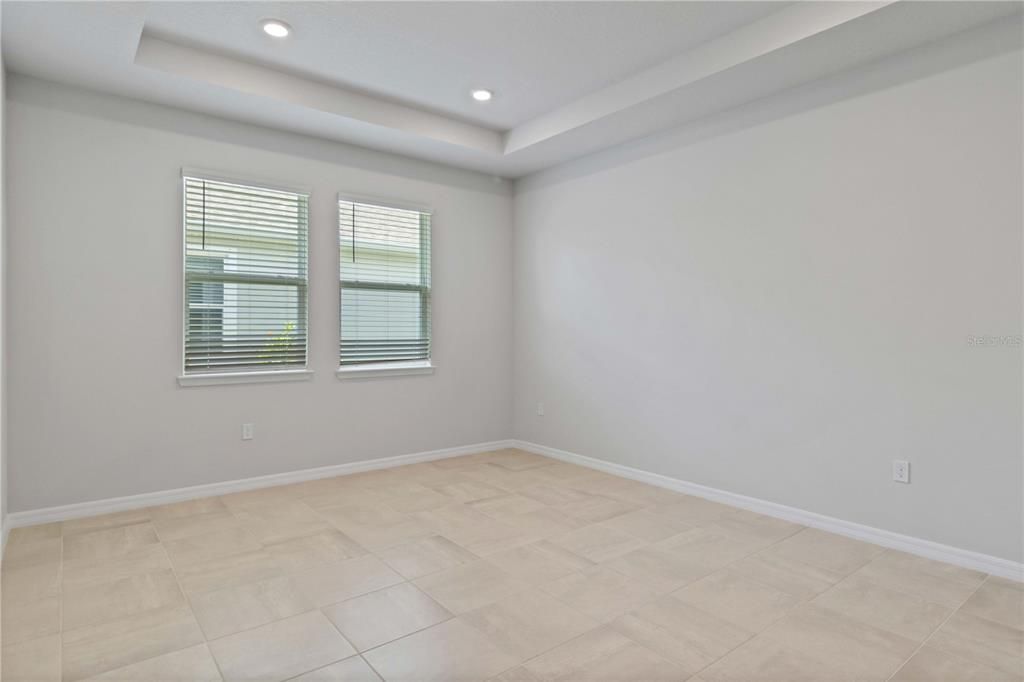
(501, 566)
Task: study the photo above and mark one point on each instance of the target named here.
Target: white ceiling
(570, 77)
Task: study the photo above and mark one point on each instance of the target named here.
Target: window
(385, 285)
(246, 278)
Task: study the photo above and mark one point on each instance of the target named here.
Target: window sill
(384, 369)
(222, 378)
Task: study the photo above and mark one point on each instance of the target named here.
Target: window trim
(374, 370)
(396, 367)
(258, 377)
(248, 375)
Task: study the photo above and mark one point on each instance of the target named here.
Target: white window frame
(248, 376)
(385, 369)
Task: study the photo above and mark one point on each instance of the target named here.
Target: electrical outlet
(246, 431)
(901, 471)
(540, 409)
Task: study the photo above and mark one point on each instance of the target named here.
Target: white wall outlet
(246, 431)
(540, 409)
(901, 471)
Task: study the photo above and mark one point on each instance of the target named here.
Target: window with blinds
(385, 283)
(245, 277)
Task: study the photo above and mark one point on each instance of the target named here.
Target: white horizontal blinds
(245, 277)
(385, 283)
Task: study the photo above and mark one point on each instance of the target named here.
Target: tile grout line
(937, 628)
(188, 602)
(377, 554)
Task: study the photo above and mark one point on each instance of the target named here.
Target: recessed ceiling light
(482, 95)
(276, 28)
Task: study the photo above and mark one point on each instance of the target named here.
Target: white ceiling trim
(782, 29)
(144, 51)
(209, 67)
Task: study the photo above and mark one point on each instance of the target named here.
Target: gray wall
(781, 304)
(95, 306)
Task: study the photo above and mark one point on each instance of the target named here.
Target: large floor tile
(704, 551)
(845, 644)
(96, 649)
(110, 543)
(171, 528)
(32, 583)
(79, 573)
(385, 615)
(826, 550)
(280, 650)
(596, 508)
(194, 664)
(982, 641)
(44, 531)
(469, 586)
(930, 580)
(691, 638)
(325, 547)
(601, 593)
(517, 674)
(732, 597)
(332, 583)
(646, 525)
(760, 530)
(33, 552)
(658, 568)
(35, 660)
(694, 511)
(529, 623)
(598, 543)
(452, 651)
(932, 665)
(88, 524)
(998, 600)
(801, 580)
(603, 655)
(376, 527)
(425, 556)
(228, 571)
(883, 608)
(27, 620)
(518, 460)
(412, 497)
(539, 563)
(281, 520)
(464, 489)
(765, 660)
(506, 505)
(353, 669)
(225, 612)
(99, 603)
(199, 549)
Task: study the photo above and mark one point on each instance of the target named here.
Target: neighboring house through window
(246, 277)
(384, 284)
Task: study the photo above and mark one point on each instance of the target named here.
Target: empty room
(512, 341)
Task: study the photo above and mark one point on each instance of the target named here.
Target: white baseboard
(985, 563)
(932, 550)
(73, 511)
